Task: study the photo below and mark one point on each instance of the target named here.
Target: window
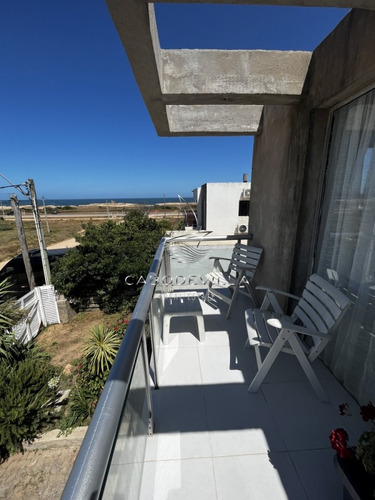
(345, 251)
(244, 208)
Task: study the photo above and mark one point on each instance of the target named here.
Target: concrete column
(277, 175)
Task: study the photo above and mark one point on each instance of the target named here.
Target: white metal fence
(42, 310)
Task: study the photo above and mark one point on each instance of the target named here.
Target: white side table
(182, 304)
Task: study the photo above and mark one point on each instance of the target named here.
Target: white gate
(42, 310)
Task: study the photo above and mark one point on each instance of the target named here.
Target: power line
(30, 193)
(17, 186)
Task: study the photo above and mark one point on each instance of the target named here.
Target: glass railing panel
(112, 454)
(183, 268)
(125, 470)
(189, 262)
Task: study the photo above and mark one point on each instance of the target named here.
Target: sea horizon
(89, 201)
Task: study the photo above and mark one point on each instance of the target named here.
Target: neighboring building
(312, 204)
(223, 207)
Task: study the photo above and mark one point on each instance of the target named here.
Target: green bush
(26, 402)
(107, 254)
(26, 399)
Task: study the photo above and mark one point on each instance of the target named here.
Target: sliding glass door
(345, 251)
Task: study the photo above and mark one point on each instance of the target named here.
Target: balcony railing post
(148, 387)
(153, 348)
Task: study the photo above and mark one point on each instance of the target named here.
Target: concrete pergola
(211, 92)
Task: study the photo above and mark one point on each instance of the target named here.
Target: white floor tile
(320, 483)
(220, 365)
(179, 480)
(257, 477)
(179, 366)
(304, 421)
(286, 368)
(180, 424)
(239, 422)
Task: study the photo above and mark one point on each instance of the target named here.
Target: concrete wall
(278, 164)
(342, 67)
(344, 63)
(289, 158)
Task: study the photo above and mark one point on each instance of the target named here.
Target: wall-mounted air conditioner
(241, 229)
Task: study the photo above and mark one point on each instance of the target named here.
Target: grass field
(63, 228)
(59, 230)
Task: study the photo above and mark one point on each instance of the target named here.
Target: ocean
(88, 201)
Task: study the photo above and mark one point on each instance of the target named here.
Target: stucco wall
(222, 200)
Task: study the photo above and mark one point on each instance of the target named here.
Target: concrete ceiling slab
(214, 119)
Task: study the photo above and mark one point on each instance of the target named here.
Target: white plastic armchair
(237, 277)
(315, 316)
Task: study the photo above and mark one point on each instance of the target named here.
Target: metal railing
(90, 470)
(111, 456)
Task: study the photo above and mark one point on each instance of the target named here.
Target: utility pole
(39, 232)
(22, 237)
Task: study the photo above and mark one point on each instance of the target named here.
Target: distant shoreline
(75, 202)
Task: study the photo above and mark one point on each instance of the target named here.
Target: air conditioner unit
(241, 229)
(246, 193)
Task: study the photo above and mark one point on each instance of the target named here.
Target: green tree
(107, 254)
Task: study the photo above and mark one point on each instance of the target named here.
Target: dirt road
(70, 243)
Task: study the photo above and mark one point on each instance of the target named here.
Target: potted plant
(356, 465)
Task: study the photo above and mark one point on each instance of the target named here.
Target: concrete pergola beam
(174, 83)
(247, 76)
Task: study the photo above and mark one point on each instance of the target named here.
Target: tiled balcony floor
(215, 440)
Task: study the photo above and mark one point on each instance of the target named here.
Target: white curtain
(345, 251)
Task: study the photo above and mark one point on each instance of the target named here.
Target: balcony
(185, 426)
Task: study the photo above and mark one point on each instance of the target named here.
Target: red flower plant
(365, 448)
(339, 442)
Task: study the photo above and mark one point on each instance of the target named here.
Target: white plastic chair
(237, 277)
(316, 314)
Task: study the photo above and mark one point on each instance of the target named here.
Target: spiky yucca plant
(101, 348)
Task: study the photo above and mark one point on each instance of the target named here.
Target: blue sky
(71, 115)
